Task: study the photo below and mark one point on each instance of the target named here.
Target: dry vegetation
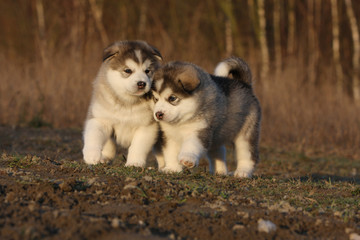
(50, 52)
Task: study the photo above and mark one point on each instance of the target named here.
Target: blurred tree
(356, 53)
(277, 38)
(97, 14)
(336, 46)
(265, 61)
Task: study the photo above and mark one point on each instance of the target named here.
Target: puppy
(119, 110)
(199, 113)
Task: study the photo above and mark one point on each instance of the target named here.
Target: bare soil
(47, 192)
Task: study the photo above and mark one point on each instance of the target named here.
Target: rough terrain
(47, 192)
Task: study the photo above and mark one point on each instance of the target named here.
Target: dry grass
(310, 119)
(302, 117)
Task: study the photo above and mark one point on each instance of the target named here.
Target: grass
(283, 181)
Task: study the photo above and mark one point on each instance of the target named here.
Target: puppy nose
(141, 85)
(159, 115)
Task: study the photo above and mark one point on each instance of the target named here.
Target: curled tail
(235, 68)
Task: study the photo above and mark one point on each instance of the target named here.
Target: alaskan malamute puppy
(199, 113)
(120, 110)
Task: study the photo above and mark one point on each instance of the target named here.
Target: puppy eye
(128, 71)
(147, 71)
(172, 98)
(155, 99)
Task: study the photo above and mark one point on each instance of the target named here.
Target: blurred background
(304, 55)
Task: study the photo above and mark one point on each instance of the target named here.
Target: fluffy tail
(235, 68)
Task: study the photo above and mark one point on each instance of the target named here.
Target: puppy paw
(92, 156)
(188, 160)
(242, 173)
(135, 164)
(173, 169)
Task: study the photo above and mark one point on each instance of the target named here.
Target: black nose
(141, 85)
(159, 115)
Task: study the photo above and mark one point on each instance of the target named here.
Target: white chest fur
(124, 120)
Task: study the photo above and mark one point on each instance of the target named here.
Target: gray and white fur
(200, 113)
(120, 110)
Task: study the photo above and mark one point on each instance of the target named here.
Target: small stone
(91, 181)
(318, 222)
(10, 197)
(266, 226)
(130, 185)
(238, 227)
(129, 179)
(354, 236)
(56, 213)
(66, 185)
(141, 223)
(32, 206)
(338, 214)
(243, 214)
(115, 223)
(148, 178)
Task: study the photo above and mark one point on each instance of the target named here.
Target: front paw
(133, 163)
(188, 160)
(243, 173)
(171, 169)
(92, 156)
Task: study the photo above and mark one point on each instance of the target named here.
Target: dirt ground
(47, 192)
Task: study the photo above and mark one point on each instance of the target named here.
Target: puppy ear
(189, 79)
(156, 53)
(111, 51)
(157, 79)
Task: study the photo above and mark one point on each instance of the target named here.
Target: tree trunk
(41, 30)
(97, 14)
(277, 38)
(264, 72)
(142, 19)
(356, 45)
(291, 28)
(227, 9)
(313, 53)
(336, 46)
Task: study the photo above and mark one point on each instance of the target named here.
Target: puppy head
(174, 91)
(130, 66)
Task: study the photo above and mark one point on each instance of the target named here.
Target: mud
(47, 192)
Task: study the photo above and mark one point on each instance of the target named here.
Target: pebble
(32, 206)
(243, 214)
(115, 223)
(354, 236)
(64, 186)
(148, 178)
(130, 185)
(10, 197)
(266, 226)
(91, 181)
(238, 227)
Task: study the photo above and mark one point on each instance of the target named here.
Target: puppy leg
(171, 151)
(95, 135)
(191, 151)
(141, 145)
(160, 161)
(217, 160)
(157, 151)
(245, 157)
(109, 150)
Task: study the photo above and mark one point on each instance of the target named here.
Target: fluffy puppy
(199, 113)
(119, 110)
